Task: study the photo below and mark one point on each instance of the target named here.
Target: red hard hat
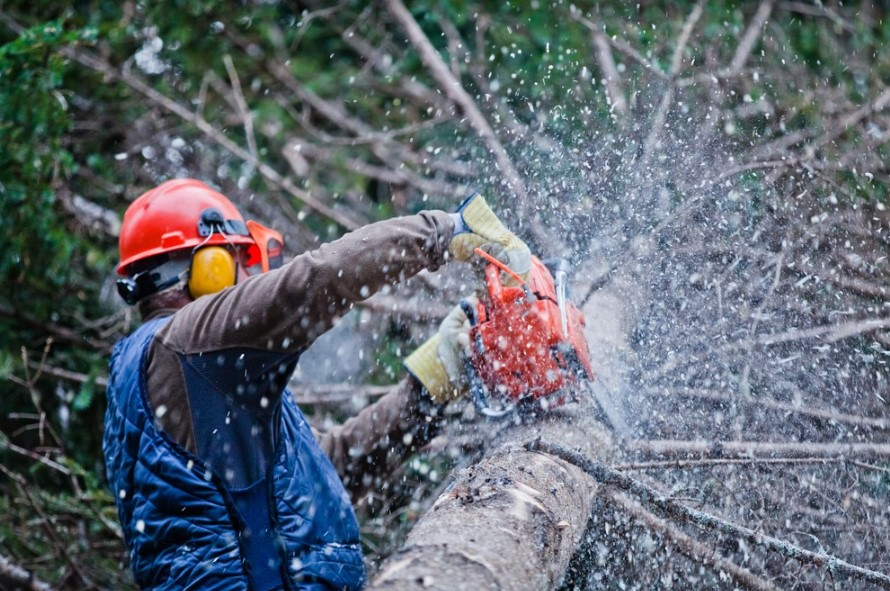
(177, 215)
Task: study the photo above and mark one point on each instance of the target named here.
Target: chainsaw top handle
(493, 278)
(500, 265)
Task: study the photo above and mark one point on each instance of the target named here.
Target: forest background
(726, 159)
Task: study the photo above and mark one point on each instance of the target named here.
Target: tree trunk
(512, 520)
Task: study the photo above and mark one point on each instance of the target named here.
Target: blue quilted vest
(179, 519)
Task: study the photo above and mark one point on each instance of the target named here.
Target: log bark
(513, 519)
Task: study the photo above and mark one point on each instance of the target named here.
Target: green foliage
(32, 105)
(49, 268)
(45, 263)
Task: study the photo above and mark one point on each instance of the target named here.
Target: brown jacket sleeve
(368, 447)
(287, 309)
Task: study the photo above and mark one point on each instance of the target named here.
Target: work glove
(438, 363)
(480, 228)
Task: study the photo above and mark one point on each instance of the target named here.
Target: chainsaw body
(527, 342)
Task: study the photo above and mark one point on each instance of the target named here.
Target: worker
(218, 479)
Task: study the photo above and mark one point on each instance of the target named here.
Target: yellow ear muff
(213, 269)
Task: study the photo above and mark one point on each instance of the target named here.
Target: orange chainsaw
(526, 342)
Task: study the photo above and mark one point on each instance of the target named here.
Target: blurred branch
(624, 47)
(652, 142)
(243, 109)
(785, 407)
(755, 449)
(388, 174)
(819, 10)
(606, 61)
(395, 155)
(336, 394)
(58, 332)
(712, 462)
(683, 40)
(825, 334)
(13, 576)
(60, 546)
(5, 443)
(750, 37)
(652, 498)
(452, 88)
(72, 376)
(271, 175)
(695, 550)
(849, 121)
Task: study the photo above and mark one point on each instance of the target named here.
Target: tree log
(512, 520)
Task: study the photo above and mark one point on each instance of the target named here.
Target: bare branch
(59, 545)
(650, 146)
(13, 576)
(72, 376)
(243, 109)
(624, 47)
(785, 407)
(749, 38)
(606, 61)
(692, 548)
(336, 394)
(712, 462)
(755, 449)
(270, 174)
(5, 443)
(825, 334)
(652, 498)
(850, 120)
(388, 174)
(683, 40)
(452, 88)
(817, 9)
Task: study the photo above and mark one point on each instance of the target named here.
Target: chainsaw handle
(474, 381)
(499, 264)
(493, 283)
(493, 278)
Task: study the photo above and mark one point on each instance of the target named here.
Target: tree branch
(878, 423)
(666, 448)
(243, 109)
(827, 334)
(705, 462)
(606, 61)
(652, 498)
(271, 175)
(752, 33)
(692, 548)
(13, 576)
(452, 88)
